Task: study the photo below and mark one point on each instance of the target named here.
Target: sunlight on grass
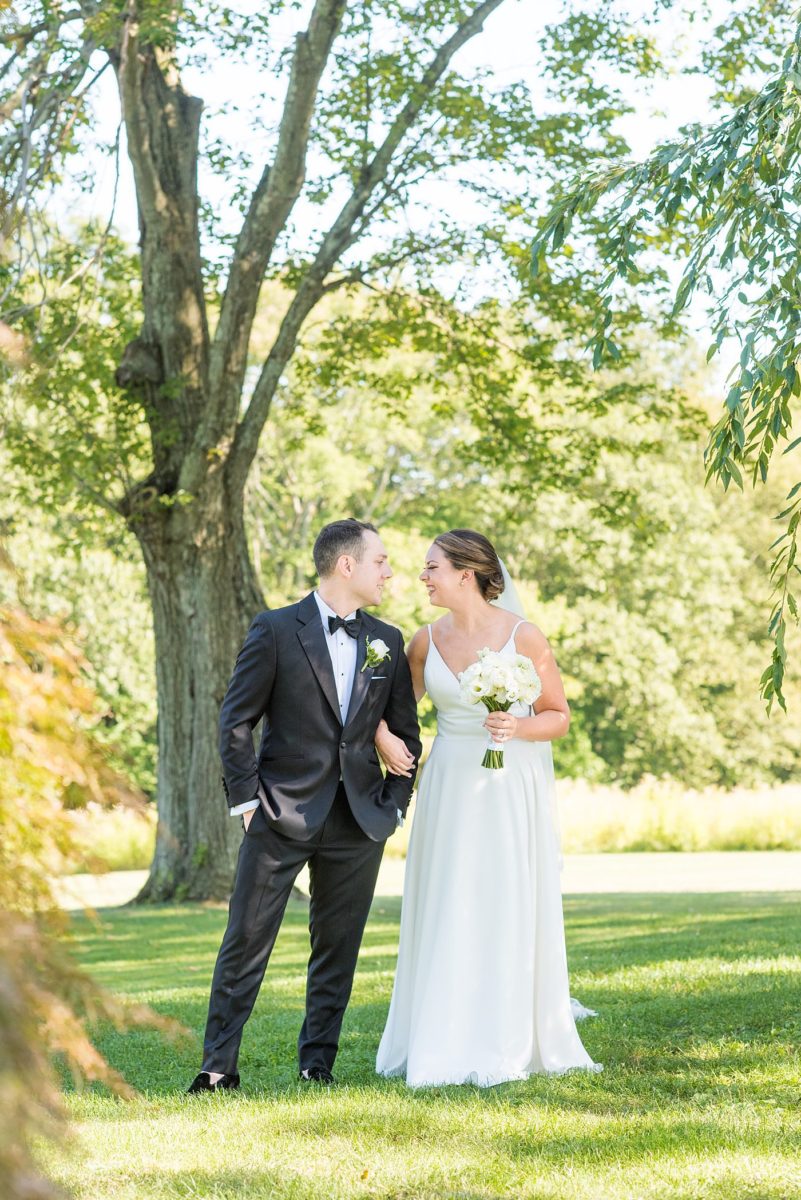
(700, 1001)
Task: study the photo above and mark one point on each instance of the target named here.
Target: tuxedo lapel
(312, 638)
(361, 680)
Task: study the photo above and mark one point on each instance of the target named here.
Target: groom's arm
(243, 707)
(400, 715)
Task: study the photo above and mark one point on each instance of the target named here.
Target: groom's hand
(247, 817)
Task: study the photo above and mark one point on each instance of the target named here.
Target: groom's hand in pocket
(247, 817)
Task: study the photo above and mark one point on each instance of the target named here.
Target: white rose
(497, 679)
(379, 648)
(531, 691)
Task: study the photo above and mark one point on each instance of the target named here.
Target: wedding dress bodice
(457, 717)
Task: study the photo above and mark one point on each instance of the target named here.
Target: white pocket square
(373, 678)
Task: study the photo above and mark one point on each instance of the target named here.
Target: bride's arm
(416, 654)
(393, 750)
(551, 717)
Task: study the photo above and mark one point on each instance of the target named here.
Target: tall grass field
(653, 816)
(660, 815)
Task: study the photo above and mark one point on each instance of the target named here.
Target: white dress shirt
(342, 648)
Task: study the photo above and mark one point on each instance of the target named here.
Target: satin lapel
(361, 680)
(312, 638)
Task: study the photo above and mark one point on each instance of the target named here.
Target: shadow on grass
(645, 928)
(695, 1003)
(699, 999)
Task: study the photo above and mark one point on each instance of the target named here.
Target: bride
(481, 991)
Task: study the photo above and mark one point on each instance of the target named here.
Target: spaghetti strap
(514, 631)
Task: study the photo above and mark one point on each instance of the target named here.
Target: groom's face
(369, 573)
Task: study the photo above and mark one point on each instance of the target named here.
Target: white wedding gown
(481, 990)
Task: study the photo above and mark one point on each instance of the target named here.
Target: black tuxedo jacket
(284, 674)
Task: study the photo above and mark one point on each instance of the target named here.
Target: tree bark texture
(204, 594)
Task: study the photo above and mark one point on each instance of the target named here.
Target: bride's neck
(472, 615)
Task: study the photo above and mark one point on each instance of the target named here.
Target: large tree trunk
(204, 595)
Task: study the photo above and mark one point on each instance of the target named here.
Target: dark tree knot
(141, 364)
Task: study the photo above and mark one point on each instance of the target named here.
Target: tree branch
(271, 204)
(41, 99)
(23, 36)
(338, 238)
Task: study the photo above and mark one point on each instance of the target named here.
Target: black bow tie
(352, 627)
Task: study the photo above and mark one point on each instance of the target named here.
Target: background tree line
(651, 586)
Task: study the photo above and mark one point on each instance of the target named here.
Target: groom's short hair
(336, 539)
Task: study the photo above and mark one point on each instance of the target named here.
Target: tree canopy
(725, 198)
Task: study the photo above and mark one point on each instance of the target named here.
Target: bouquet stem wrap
(493, 755)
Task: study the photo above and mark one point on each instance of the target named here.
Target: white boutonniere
(377, 652)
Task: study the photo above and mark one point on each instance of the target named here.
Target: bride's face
(442, 580)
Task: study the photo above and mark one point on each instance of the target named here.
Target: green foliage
(450, 392)
(118, 839)
(649, 586)
(200, 855)
(50, 762)
(78, 441)
(656, 615)
(727, 196)
(64, 568)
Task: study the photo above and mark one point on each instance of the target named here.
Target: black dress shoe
(202, 1083)
(317, 1075)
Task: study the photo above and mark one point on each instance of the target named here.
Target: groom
(321, 674)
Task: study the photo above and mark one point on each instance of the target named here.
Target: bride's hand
(394, 754)
(502, 726)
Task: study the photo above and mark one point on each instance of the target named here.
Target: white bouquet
(497, 682)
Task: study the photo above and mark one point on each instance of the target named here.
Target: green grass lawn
(700, 1003)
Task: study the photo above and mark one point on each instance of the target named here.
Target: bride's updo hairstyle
(467, 550)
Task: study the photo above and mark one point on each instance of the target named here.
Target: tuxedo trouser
(343, 869)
